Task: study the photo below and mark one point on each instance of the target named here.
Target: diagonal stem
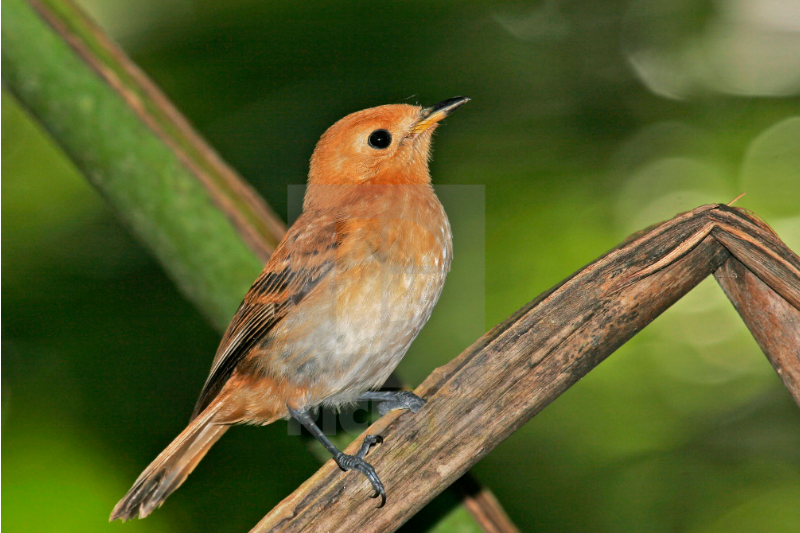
(519, 367)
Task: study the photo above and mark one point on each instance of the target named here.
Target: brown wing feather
(294, 270)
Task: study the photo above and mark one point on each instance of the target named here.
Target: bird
(338, 303)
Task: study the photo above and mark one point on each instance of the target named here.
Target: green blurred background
(589, 120)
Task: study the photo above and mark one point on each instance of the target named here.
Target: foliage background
(589, 120)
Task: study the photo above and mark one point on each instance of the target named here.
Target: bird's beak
(434, 114)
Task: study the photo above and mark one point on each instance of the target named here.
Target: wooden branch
(770, 308)
(519, 367)
(774, 322)
(760, 250)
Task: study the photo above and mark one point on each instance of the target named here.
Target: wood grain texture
(519, 367)
(773, 321)
(752, 242)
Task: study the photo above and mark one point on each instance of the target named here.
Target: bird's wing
(304, 257)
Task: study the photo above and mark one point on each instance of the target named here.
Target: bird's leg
(345, 462)
(390, 400)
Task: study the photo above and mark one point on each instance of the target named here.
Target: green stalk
(208, 229)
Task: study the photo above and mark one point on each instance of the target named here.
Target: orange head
(389, 144)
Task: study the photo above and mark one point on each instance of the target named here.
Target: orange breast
(354, 328)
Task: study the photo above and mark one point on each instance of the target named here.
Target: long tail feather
(169, 470)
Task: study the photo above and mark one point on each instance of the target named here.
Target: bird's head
(389, 144)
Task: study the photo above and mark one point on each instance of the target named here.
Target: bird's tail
(171, 467)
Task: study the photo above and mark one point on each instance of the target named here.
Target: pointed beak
(434, 114)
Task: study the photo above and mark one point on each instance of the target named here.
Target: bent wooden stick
(761, 280)
(772, 320)
(519, 367)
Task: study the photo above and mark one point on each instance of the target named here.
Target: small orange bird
(338, 303)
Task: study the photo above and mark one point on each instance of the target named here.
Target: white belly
(359, 330)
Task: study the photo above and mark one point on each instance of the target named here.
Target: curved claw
(369, 441)
(357, 462)
(402, 400)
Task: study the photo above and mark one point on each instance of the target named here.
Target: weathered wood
(519, 367)
(754, 243)
(774, 322)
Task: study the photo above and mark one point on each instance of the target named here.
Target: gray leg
(345, 462)
(390, 400)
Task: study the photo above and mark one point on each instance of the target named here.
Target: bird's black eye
(380, 139)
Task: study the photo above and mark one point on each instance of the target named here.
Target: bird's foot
(357, 462)
(391, 400)
(401, 400)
